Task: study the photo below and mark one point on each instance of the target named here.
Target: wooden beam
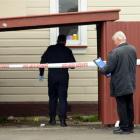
(55, 20)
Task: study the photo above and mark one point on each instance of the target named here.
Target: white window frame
(54, 8)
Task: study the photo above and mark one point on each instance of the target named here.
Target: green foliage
(90, 118)
(3, 120)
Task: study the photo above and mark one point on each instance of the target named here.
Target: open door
(107, 105)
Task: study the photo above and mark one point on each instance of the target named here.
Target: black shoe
(132, 131)
(120, 131)
(52, 121)
(63, 123)
(116, 129)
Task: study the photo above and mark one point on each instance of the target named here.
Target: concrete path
(58, 133)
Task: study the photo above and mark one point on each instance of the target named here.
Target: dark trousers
(58, 94)
(125, 109)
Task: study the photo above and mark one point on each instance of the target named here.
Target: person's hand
(41, 78)
(100, 69)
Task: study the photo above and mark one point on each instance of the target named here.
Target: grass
(34, 120)
(3, 120)
(90, 118)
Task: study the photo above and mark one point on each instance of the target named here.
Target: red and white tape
(53, 65)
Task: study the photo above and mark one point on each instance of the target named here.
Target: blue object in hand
(101, 64)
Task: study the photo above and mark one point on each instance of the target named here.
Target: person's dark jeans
(125, 109)
(58, 92)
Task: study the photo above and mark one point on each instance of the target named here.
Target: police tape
(53, 65)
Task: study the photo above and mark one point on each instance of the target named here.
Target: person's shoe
(63, 123)
(132, 131)
(120, 131)
(116, 129)
(52, 121)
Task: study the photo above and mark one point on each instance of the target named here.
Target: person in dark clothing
(58, 78)
(122, 66)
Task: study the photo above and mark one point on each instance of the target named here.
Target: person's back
(58, 78)
(58, 54)
(123, 76)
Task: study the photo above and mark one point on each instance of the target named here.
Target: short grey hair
(119, 35)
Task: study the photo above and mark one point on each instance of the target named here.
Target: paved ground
(58, 133)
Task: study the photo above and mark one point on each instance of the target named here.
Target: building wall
(129, 9)
(27, 47)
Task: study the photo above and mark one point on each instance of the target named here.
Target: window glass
(72, 32)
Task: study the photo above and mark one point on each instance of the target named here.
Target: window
(72, 32)
(76, 35)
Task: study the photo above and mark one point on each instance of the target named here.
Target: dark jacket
(57, 54)
(122, 66)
